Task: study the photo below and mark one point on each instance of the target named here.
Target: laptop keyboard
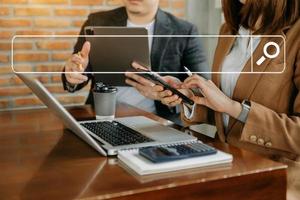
(116, 133)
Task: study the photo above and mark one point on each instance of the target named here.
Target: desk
(40, 159)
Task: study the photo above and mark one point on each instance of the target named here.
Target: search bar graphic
(266, 53)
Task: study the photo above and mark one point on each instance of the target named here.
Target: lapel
(250, 81)
(224, 46)
(159, 45)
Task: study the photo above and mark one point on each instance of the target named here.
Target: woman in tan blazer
(272, 124)
(259, 112)
(256, 111)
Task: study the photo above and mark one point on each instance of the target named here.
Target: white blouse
(234, 62)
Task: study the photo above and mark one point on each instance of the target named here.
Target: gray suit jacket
(167, 54)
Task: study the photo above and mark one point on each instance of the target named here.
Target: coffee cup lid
(105, 89)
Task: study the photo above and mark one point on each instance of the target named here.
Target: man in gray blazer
(167, 54)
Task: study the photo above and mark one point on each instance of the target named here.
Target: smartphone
(153, 77)
(162, 154)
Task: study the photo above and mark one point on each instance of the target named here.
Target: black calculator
(161, 154)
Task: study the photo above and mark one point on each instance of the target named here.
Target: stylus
(197, 92)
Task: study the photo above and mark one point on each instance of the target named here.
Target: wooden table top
(39, 158)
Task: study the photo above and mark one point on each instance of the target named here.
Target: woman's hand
(213, 98)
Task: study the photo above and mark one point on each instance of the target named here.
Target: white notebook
(142, 166)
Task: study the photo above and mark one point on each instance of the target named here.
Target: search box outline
(154, 36)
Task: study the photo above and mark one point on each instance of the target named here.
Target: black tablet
(113, 49)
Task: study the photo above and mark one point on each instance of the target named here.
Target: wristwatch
(246, 106)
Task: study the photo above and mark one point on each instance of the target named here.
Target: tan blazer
(273, 124)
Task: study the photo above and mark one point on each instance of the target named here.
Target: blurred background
(65, 17)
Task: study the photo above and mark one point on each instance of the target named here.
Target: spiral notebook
(142, 166)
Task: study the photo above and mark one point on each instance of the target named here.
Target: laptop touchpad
(152, 129)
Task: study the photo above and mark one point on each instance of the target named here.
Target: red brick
(68, 33)
(22, 68)
(87, 2)
(17, 81)
(33, 32)
(114, 2)
(61, 56)
(14, 22)
(30, 57)
(4, 103)
(56, 89)
(3, 58)
(14, 91)
(178, 4)
(31, 12)
(68, 23)
(5, 69)
(6, 34)
(71, 12)
(43, 79)
(164, 3)
(51, 23)
(56, 79)
(7, 46)
(49, 1)
(28, 101)
(13, 1)
(4, 81)
(78, 23)
(71, 99)
(49, 68)
(93, 10)
(54, 45)
(4, 11)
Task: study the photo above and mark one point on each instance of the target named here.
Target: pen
(188, 72)
(197, 92)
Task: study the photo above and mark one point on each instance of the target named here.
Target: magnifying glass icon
(267, 55)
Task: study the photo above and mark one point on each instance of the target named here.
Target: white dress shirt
(234, 62)
(130, 95)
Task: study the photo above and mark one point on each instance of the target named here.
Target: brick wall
(46, 17)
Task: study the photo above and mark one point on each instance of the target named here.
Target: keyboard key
(116, 133)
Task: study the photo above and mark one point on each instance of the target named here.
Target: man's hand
(148, 88)
(144, 86)
(171, 100)
(78, 63)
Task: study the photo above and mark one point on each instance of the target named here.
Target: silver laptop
(109, 137)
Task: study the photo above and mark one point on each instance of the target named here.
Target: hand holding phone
(157, 80)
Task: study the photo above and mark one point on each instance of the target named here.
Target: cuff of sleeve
(254, 132)
(189, 112)
(71, 88)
